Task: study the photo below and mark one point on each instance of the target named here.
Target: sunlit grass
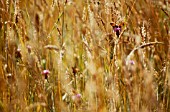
(87, 56)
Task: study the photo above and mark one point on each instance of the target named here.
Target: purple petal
(45, 72)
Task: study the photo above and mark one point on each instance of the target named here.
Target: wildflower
(131, 62)
(18, 50)
(131, 66)
(18, 53)
(29, 48)
(117, 29)
(76, 98)
(45, 73)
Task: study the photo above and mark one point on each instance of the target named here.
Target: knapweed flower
(76, 98)
(131, 66)
(46, 73)
(18, 50)
(18, 53)
(131, 62)
(29, 48)
(117, 30)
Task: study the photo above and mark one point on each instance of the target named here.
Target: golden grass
(102, 56)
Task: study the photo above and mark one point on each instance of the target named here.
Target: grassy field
(84, 56)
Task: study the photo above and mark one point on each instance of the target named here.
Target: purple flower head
(76, 97)
(18, 50)
(29, 48)
(131, 62)
(117, 29)
(45, 72)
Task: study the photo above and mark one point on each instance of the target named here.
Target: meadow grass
(84, 56)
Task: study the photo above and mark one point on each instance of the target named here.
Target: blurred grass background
(64, 56)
